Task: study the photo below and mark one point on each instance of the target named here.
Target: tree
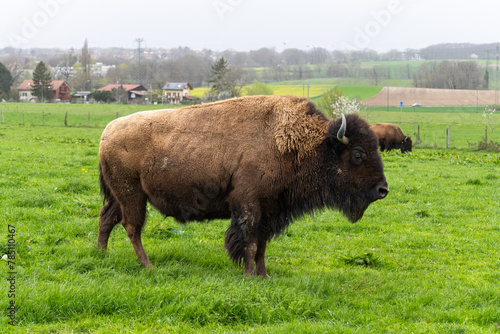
(64, 66)
(102, 96)
(6, 80)
(41, 82)
(222, 80)
(119, 94)
(345, 106)
(329, 99)
(450, 75)
(334, 103)
(86, 61)
(491, 122)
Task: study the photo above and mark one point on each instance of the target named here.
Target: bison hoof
(254, 274)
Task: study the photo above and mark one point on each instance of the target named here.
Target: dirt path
(432, 97)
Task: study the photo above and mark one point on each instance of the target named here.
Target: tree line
(448, 74)
(154, 67)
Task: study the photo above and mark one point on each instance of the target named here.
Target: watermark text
(11, 274)
(30, 26)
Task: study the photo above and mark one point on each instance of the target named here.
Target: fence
(426, 129)
(51, 115)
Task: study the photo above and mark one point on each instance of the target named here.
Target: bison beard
(261, 161)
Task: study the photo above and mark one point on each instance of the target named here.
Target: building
(175, 92)
(134, 92)
(81, 96)
(59, 88)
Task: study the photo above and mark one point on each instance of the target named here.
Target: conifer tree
(41, 82)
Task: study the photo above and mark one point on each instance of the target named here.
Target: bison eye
(358, 155)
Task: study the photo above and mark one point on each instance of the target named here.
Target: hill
(432, 97)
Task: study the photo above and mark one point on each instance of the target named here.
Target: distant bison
(391, 137)
(261, 161)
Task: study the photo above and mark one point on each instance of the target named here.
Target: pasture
(423, 260)
(353, 88)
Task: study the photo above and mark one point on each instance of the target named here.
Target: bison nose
(382, 190)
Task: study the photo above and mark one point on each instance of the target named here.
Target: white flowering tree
(344, 105)
(334, 103)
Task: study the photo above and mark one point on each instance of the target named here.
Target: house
(175, 92)
(59, 88)
(134, 92)
(83, 96)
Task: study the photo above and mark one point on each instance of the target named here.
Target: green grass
(353, 88)
(423, 260)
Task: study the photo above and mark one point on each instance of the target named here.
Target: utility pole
(496, 82)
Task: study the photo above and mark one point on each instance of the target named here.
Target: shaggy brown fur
(391, 136)
(261, 161)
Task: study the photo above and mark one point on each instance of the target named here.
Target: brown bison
(261, 161)
(391, 137)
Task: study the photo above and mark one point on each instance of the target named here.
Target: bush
(259, 88)
(491, 146)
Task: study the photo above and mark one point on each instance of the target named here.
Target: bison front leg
(246, 242)
(250, 253)
(255, 254)
(260, 263)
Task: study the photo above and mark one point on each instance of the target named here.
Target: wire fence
(426, 130)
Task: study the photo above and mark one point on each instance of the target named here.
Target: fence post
(448, 136)
(486, 137)
(66, 119)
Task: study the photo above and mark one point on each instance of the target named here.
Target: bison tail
(110, 213)
(235, 243)
(105, 191)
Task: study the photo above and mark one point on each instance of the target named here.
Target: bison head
(406, 145)
(355, 170)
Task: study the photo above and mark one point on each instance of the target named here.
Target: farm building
(134, 92)
(84, 96)
(175, 92)
(60, 91)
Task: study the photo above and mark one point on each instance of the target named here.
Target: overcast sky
(245, 25)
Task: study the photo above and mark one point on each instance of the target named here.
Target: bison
(391, 137)
(261, 161)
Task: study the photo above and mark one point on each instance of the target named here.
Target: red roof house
(133, 91)
(60, 90)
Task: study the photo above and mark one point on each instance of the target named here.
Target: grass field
(467, 124)
(353, 88)
(423, 260)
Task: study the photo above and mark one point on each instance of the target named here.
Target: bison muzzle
(261, 161)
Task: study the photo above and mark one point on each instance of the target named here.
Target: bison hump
(299, 128)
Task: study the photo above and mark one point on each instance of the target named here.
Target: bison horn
(341, 134)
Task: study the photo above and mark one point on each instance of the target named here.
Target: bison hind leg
(134, 217)
(110, 216)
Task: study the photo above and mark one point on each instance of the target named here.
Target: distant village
(167, 76)
(172, 93)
